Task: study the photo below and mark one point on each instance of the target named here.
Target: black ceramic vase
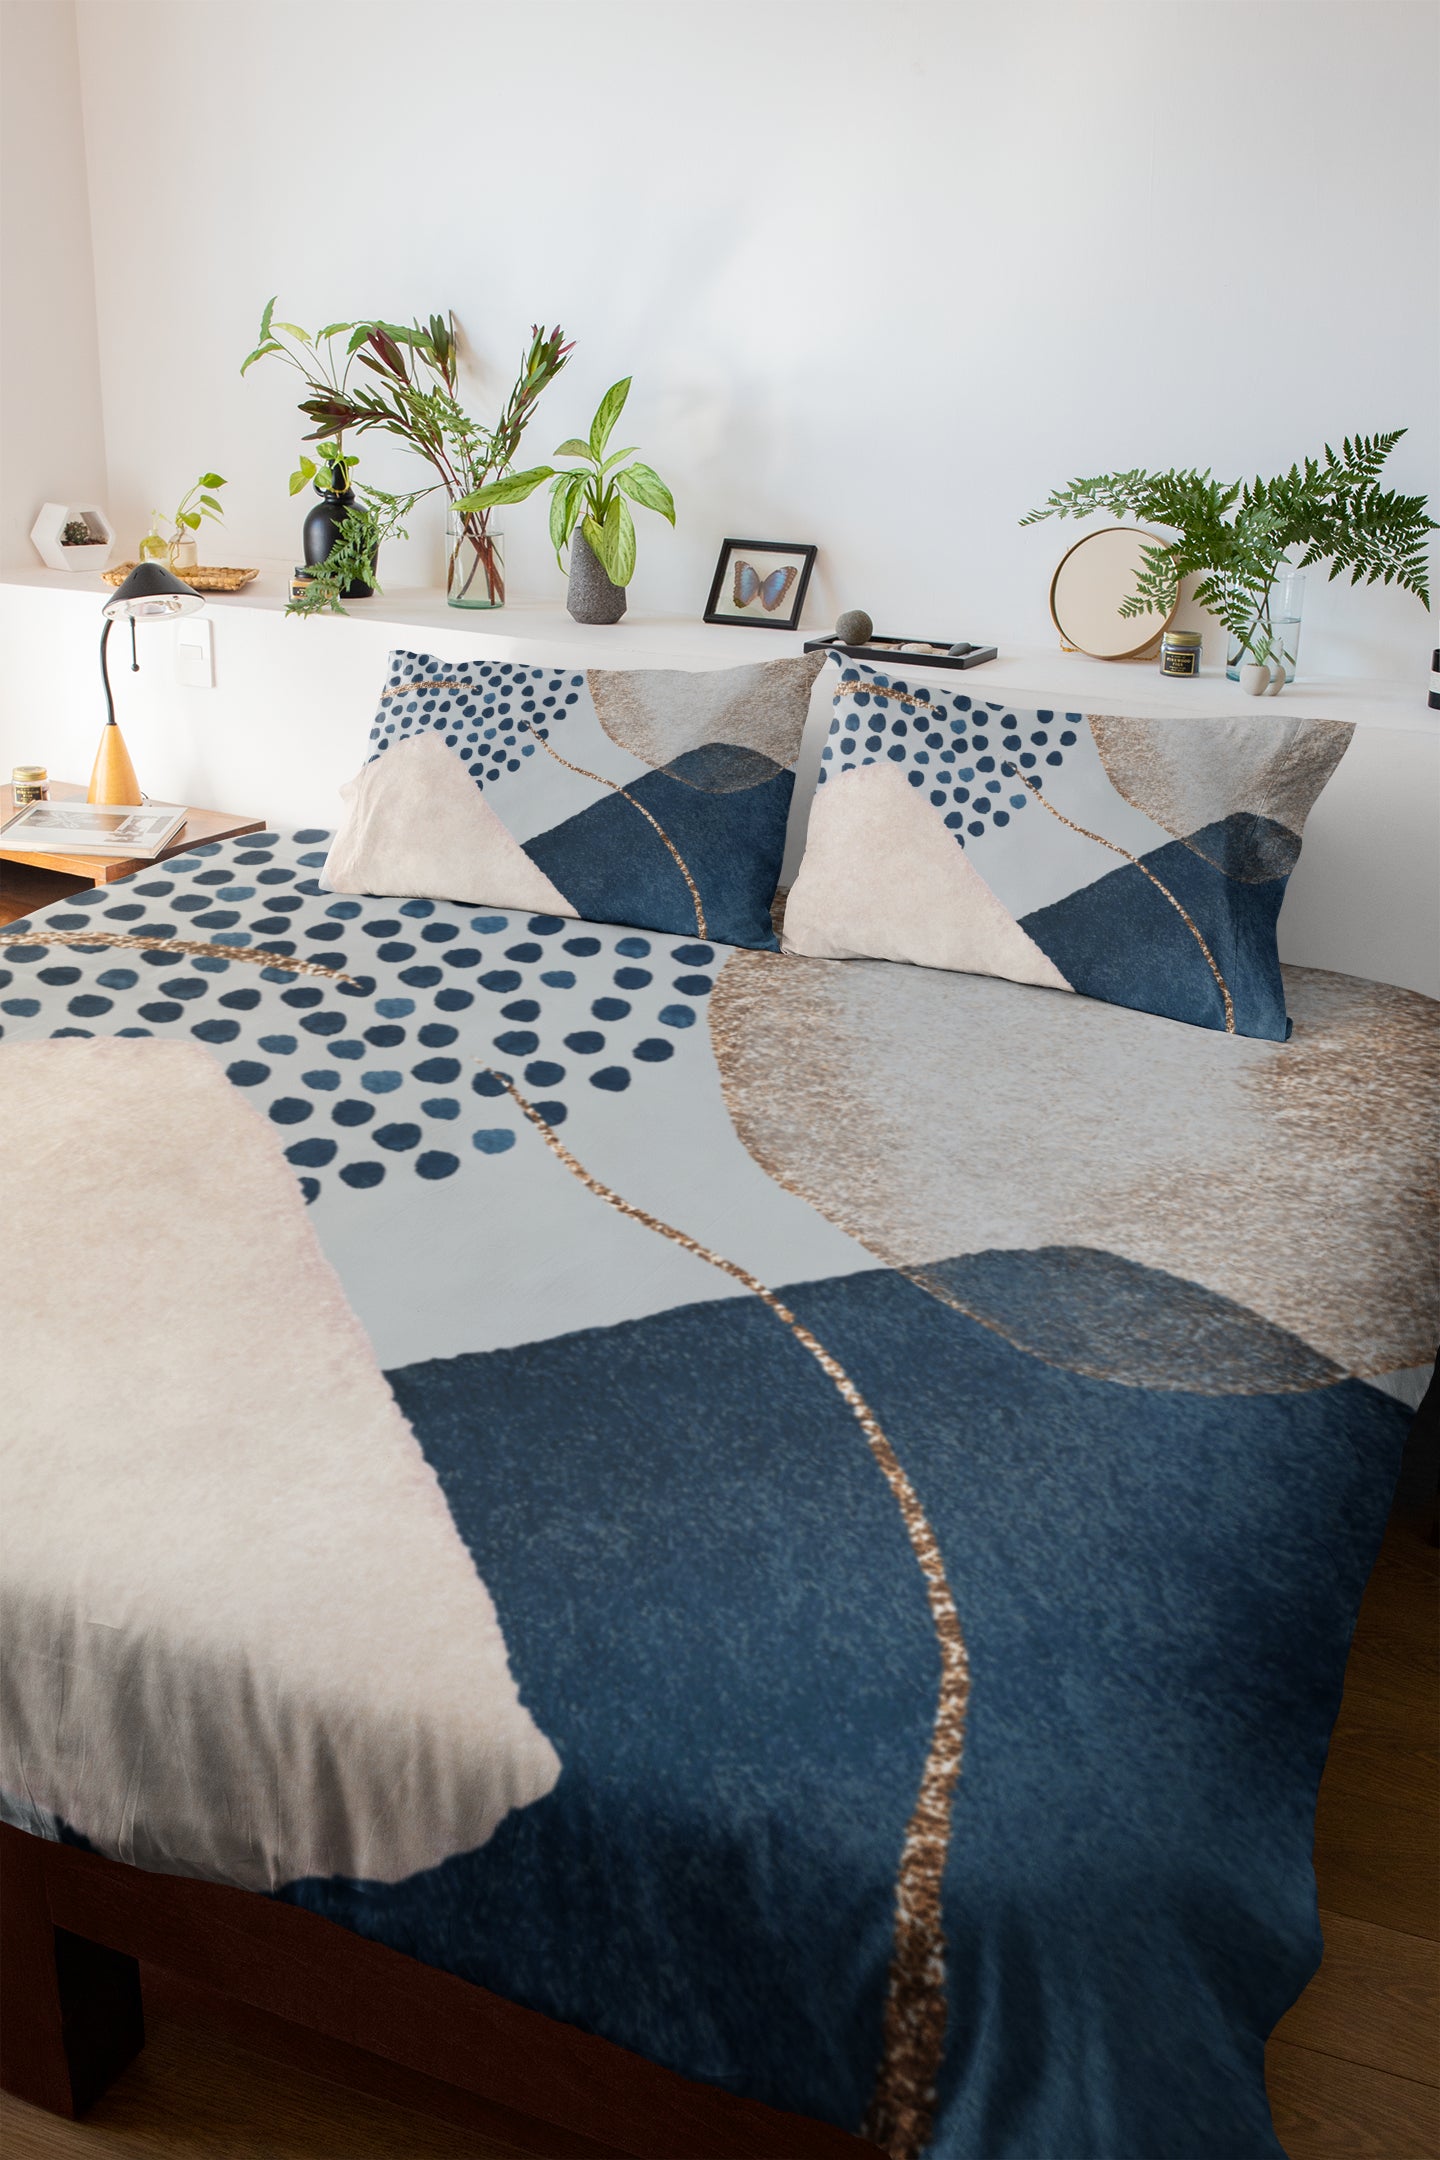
(592, 598)
(322, 528)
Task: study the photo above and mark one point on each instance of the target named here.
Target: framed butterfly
(761, 582)
(769, 590)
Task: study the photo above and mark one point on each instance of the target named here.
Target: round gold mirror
(1086, 592)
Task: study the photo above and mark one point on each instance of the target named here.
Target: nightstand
(28, 882)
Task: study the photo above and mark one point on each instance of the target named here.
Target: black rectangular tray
(886, 652)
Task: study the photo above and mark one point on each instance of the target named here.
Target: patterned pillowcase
(1138, 861)
(653, 796)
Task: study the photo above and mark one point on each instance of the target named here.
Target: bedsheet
(803, 1516)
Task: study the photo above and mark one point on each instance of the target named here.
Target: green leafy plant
(1236, 535)
(354, 554)
(403, 379)
(195, 505)
(592, 495)
(329, 458)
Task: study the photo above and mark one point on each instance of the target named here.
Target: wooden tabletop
(199, 826)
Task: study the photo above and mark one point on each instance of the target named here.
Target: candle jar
(1180, 652)
(30, 783)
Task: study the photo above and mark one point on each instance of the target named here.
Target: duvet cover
(802, 1516)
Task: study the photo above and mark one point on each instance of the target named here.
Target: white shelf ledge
(537, 629)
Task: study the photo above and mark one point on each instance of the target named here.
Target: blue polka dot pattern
(970, 758)
(488, 712)
(395, 1073)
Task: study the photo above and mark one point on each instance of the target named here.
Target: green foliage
(190, 513)
(410, 390)
(1236, 535)
(368, 524)
(328, 455)
(592, 496)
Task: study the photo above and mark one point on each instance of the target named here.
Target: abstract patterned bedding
(802, 1516)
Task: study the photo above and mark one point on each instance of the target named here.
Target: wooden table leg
(70, 2017)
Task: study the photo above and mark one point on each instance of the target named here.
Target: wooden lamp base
(113, 779)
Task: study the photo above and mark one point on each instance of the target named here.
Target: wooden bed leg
(70, 2013)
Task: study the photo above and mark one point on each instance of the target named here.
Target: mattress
(802, 1516)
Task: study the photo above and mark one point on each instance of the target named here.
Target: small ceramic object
(57, 518)
(854, 627)
(1277, 678)
(1254, 678)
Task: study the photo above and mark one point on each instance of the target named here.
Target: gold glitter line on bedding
(1013, 772)
(902, 2106)
(120, 942)
(601, 781)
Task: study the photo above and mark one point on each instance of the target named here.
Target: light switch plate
(195, 652)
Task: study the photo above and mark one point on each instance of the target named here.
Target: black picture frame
(804, 553)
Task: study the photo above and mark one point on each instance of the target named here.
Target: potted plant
(349, 568)
(410, 390)
(1238, 536)
(176, 547)
(588, 510)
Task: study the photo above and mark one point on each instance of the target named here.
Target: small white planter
(51, 523)
(1254, 678)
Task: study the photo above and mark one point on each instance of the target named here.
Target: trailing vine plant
(1237, 534)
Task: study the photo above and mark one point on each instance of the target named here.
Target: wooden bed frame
(77, 1933)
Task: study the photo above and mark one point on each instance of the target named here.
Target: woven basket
(204, 577)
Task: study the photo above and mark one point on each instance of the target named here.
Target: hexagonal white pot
(53, 519)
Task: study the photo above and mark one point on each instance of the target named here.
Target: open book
(80, 828)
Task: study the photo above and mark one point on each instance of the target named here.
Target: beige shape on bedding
(242, 1637)
(883, 879)
(417, 824)
(1190, 773)
(659, 713)
(1296, 1179)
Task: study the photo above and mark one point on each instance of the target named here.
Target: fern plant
(354, 553)
(1237, 535)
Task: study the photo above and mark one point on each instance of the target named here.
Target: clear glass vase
(1280, 636)
(474, 560)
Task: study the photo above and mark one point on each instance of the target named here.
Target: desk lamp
(149, 590)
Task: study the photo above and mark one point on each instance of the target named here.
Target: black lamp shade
(152, 590)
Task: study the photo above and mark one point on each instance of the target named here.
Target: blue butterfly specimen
(770, 590)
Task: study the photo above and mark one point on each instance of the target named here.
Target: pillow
(1142, 862)
(650, 796)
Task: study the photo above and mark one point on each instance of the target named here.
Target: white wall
(52, 448)
(884, 270)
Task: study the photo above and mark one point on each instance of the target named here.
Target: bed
(788, 1530)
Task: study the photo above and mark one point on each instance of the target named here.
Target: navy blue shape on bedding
(1122, 939)
(730, 838)
(711, 1880)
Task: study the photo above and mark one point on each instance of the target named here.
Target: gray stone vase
(591, 598)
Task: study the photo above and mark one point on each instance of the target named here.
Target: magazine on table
(81, 828)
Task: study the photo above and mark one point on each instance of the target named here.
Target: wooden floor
(1353, 2070)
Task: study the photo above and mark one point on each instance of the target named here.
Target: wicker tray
(204, 577)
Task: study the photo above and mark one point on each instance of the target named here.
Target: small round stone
(854, 627)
